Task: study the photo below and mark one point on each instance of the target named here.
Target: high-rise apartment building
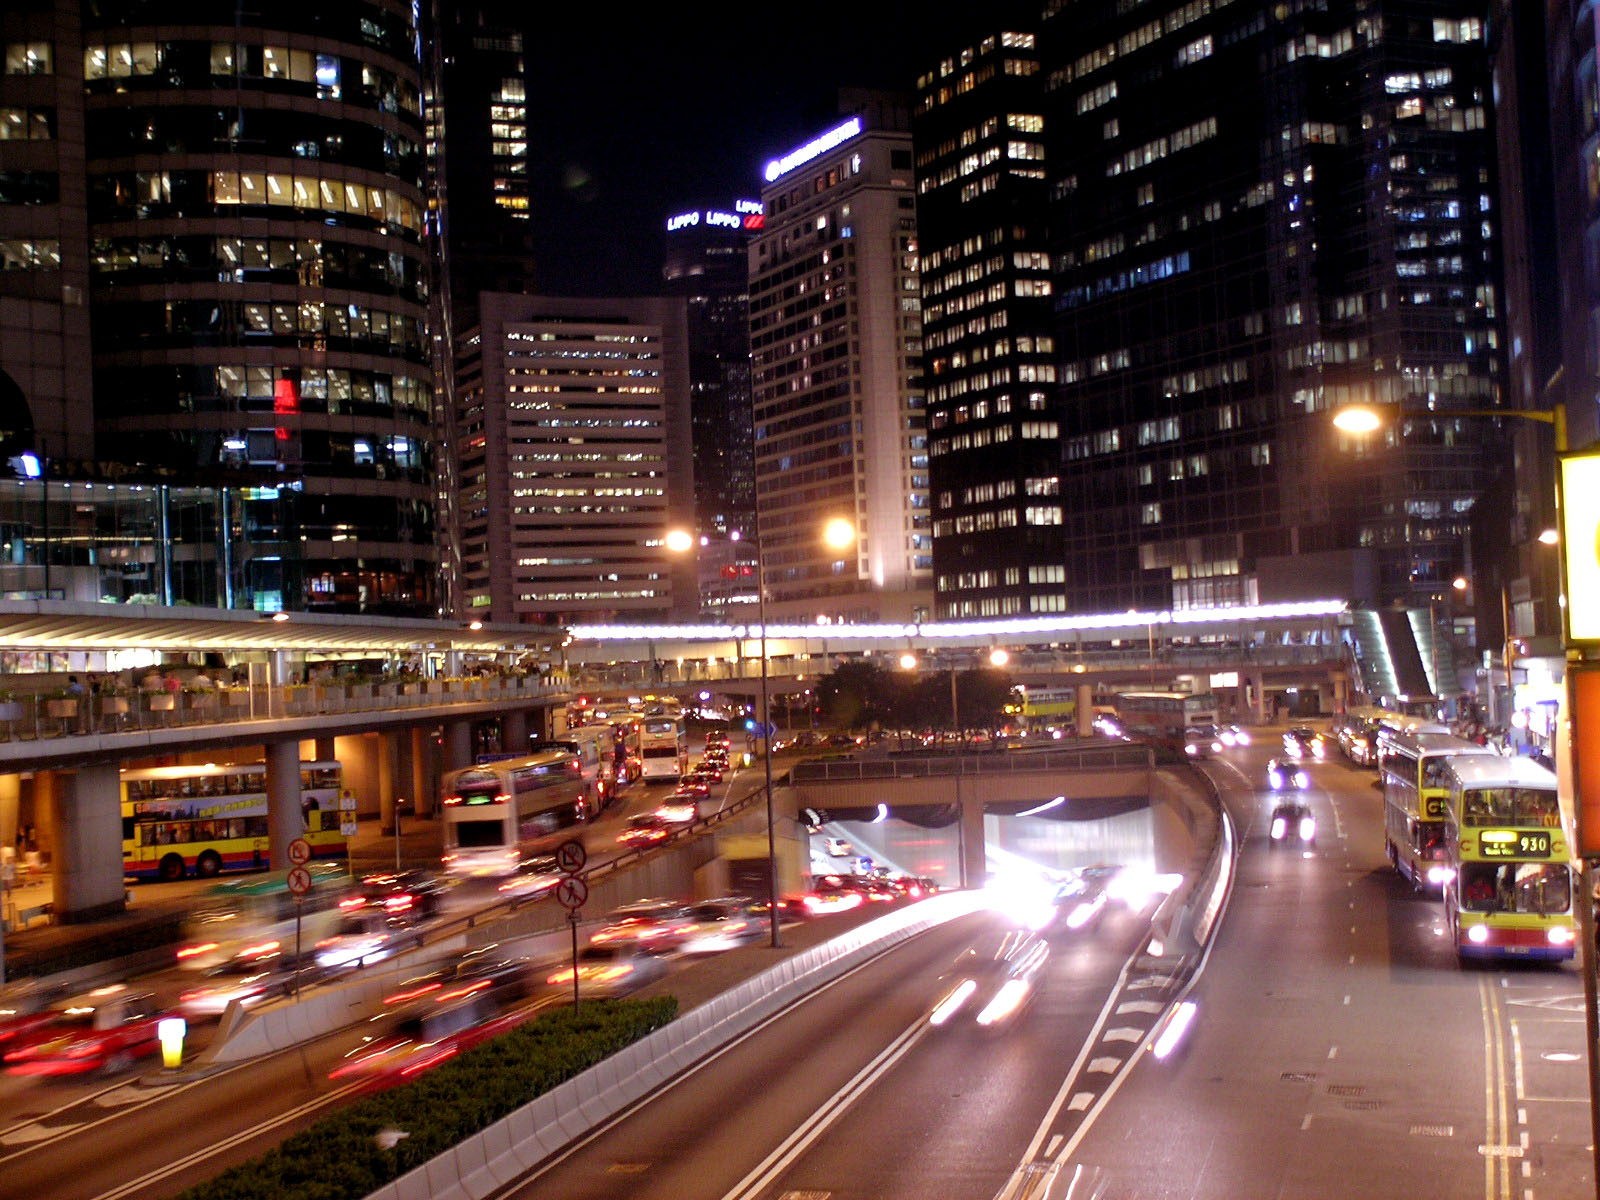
(1261, 212)
(215, 229)
(836, 341)
(994, 445)
(707, 264)
(574, 460)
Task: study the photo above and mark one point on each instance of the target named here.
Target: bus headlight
(1439, 876)
(1559, 935)
(1478, 934)
(1191, 748)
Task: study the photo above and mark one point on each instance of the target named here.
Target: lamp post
(837, 534)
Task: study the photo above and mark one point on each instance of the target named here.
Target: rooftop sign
(746, 214)
(816, 147)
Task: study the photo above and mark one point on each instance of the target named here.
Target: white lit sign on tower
(817, 146)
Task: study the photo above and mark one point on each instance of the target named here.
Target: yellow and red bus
(203, 820)
(1415, 796)
(1511, 894)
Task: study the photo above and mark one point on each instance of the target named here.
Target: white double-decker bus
(663, 746)
(497, 814)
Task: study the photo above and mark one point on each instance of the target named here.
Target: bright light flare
(839, 533)
(1279, 828)
(1357, 419)
(679, 540)
(1478, 935)
(1559, 935)
(1308, 828)
(1172, 1028)
(1137, 886)
(1010, 997)
(1026, 901)
(951, 1004)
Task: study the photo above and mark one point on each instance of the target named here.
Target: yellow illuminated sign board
(1580, 545)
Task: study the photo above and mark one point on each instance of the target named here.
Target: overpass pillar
(390, 773)
(974, 860)
(514, 731)
(88, 857)
(423, 774)
(326, 750)
(1083, 710)
(1341, 691)
(457, 744)
(1258, 685)
(10, 808)
(286, 820)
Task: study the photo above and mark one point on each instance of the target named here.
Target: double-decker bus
(497, 814)
(1163, 718)
(663, 746)
(595, 748)
(1512, 893)
(1415, 797)
(204, 819)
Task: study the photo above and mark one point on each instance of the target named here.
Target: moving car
(104, 1031)
(250, 983)
(1301, 741)
(1293, 823)
(838, 847)
(532, 877)
(486, 971)
(430, 1033)
(722, 925)
(610, 970)
(650, 924)
(646, 829)
(1201, 742)
(416, 894)
(1282, 775)
(993, 982)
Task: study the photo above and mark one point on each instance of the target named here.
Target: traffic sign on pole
(572, 892)
(570, 857)
(299, 881)
(299, 852)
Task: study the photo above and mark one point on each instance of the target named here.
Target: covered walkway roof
(58, 625)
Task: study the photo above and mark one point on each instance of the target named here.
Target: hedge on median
(339, 1157)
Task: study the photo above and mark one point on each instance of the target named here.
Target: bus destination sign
(1515, 843)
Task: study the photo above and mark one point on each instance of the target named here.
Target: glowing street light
(838, 533)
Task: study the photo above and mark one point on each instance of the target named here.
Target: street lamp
(837, 533)
(1368, 418)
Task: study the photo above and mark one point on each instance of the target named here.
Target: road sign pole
(299, 903)
(572, 919)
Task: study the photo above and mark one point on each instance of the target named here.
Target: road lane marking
(1306, 1122)
(831, 1109)
(1124, 1034)
(1054, 1142)
(244, 1135)
(1333, 1052)
(1079, 1102)
(1104, 1066)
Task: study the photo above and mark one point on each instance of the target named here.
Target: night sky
(636, 113)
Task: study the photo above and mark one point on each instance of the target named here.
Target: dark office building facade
(994, 452)
(1261, 213)
(706, 262)
(248, 201)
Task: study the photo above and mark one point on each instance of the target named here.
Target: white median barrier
(515, 1145)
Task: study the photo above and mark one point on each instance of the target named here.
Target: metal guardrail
(1000, 762)
(40, 717)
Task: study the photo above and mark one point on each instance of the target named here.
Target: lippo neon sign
(817, 146)
(746, 215)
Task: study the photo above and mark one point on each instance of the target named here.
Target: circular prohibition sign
(571, 893)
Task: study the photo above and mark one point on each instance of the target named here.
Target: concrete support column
(424, 785)
(514, 731)
(389, 775)
(1341, 691)
(285, 818)
(457, 744)
(10, 808)
(1083, 709)
(974, 861)
(325, 750)
(282, 667)
(88, 859)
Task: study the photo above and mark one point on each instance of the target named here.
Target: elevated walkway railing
(1083, 758)
(37, 717)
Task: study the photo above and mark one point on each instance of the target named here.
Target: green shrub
(339, 1158)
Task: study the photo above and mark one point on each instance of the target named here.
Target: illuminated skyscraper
(836, 344)
(573, 458)
(1261, 212)
(994, 441)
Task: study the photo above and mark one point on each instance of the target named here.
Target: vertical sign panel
(1580, 546)
(1583, 686)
